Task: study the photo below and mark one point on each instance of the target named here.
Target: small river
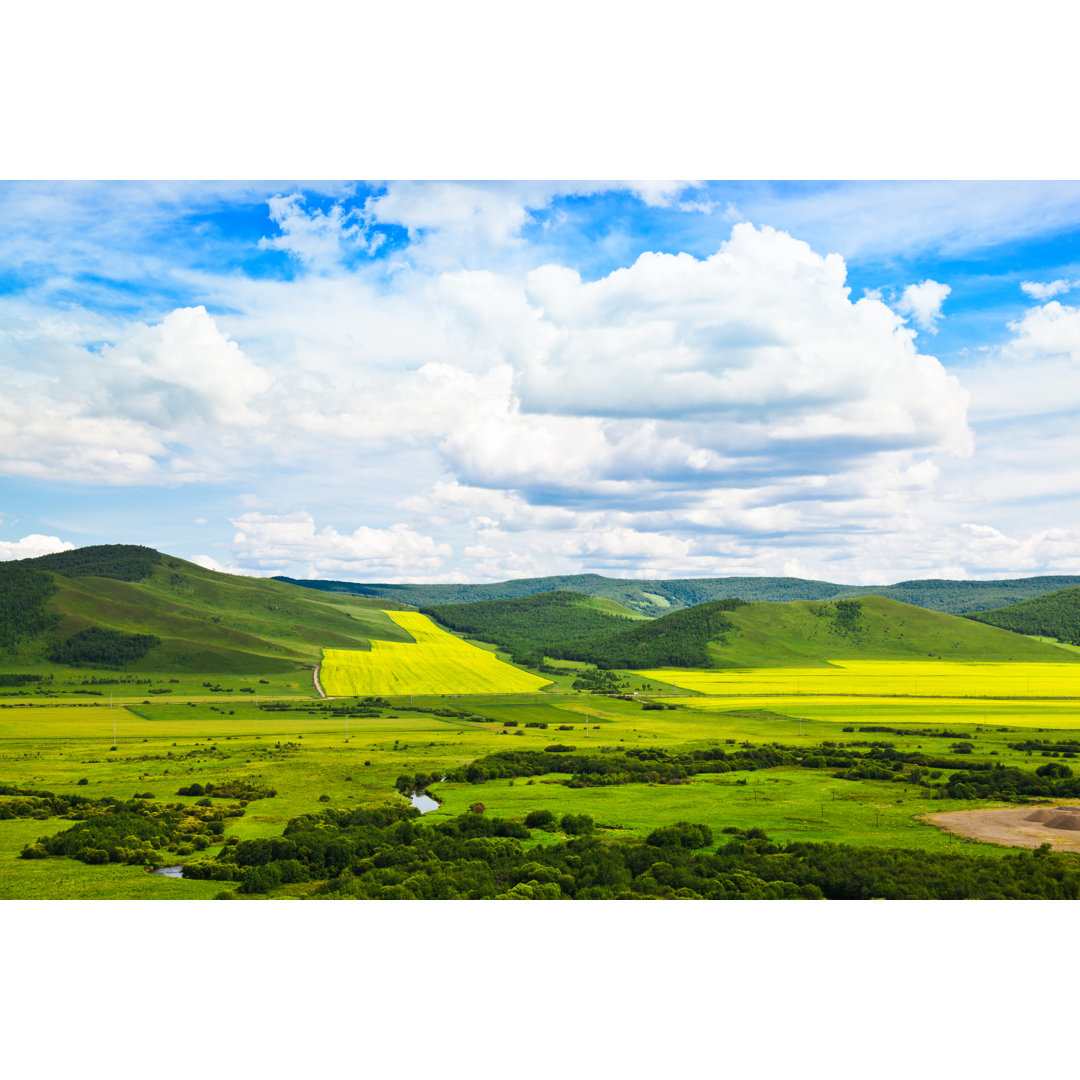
(170, 871)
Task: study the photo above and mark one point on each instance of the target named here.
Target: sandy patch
(1019, 826)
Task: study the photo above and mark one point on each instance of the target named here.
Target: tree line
(388, 853)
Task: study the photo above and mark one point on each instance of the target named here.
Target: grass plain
(304, 755)
(435, 662)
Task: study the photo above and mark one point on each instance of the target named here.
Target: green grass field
(435, 662)
(302, 752)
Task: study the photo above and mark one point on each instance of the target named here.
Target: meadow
(300, 748)
(435, 662)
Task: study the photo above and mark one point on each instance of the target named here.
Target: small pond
(423, 802)
(170, 871)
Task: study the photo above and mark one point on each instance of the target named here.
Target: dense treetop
(1055, 615)
(122, 562)
(563, 626)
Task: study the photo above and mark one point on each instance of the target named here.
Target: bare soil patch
(1018, 826)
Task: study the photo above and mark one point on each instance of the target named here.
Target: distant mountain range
(663, 596)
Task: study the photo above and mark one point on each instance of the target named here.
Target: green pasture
(303, 754)
(790, 804)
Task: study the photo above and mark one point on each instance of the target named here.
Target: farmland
(888, 678)
(435, 662)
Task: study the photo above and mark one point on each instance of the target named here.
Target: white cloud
(185, 365)
(31, 546)
(923, 303)
(125, 413)
(1048, 332)
(279, 541)
(316, 237)
(455, 222)
(1040, 290)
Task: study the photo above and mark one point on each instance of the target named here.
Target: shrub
(541, 819)
(83, 782)
(560, 748)
(477, 807)
(577, 824)
(681, 834)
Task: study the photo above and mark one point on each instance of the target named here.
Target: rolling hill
(1053, 615)
(736, 634)
(198, 620)
(661, 597)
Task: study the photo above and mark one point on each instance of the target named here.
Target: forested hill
(1054, 615)
(660, 597)
(569, 626)
(733, 633)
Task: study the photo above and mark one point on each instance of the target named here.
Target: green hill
(199, 620)
(1054, 615)
(870, 628)
(661, 597)
(735, 634)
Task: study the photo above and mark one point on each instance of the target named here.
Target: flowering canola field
(889, 678)
(438, 663)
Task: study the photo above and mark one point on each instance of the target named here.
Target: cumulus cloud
(279, 541)
(923, 302)
(121, 413)
(31, 546)
(1049, 332)
(185, 365)
(1046, 290)
(761, 341)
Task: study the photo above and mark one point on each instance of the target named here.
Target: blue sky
(861, 382)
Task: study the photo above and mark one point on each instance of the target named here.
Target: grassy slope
(212, 622)
(1055, 615)
(792, 635)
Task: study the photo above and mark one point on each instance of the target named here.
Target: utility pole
(114, 731)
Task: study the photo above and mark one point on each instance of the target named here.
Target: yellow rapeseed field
(887, 678)
(438, 663)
